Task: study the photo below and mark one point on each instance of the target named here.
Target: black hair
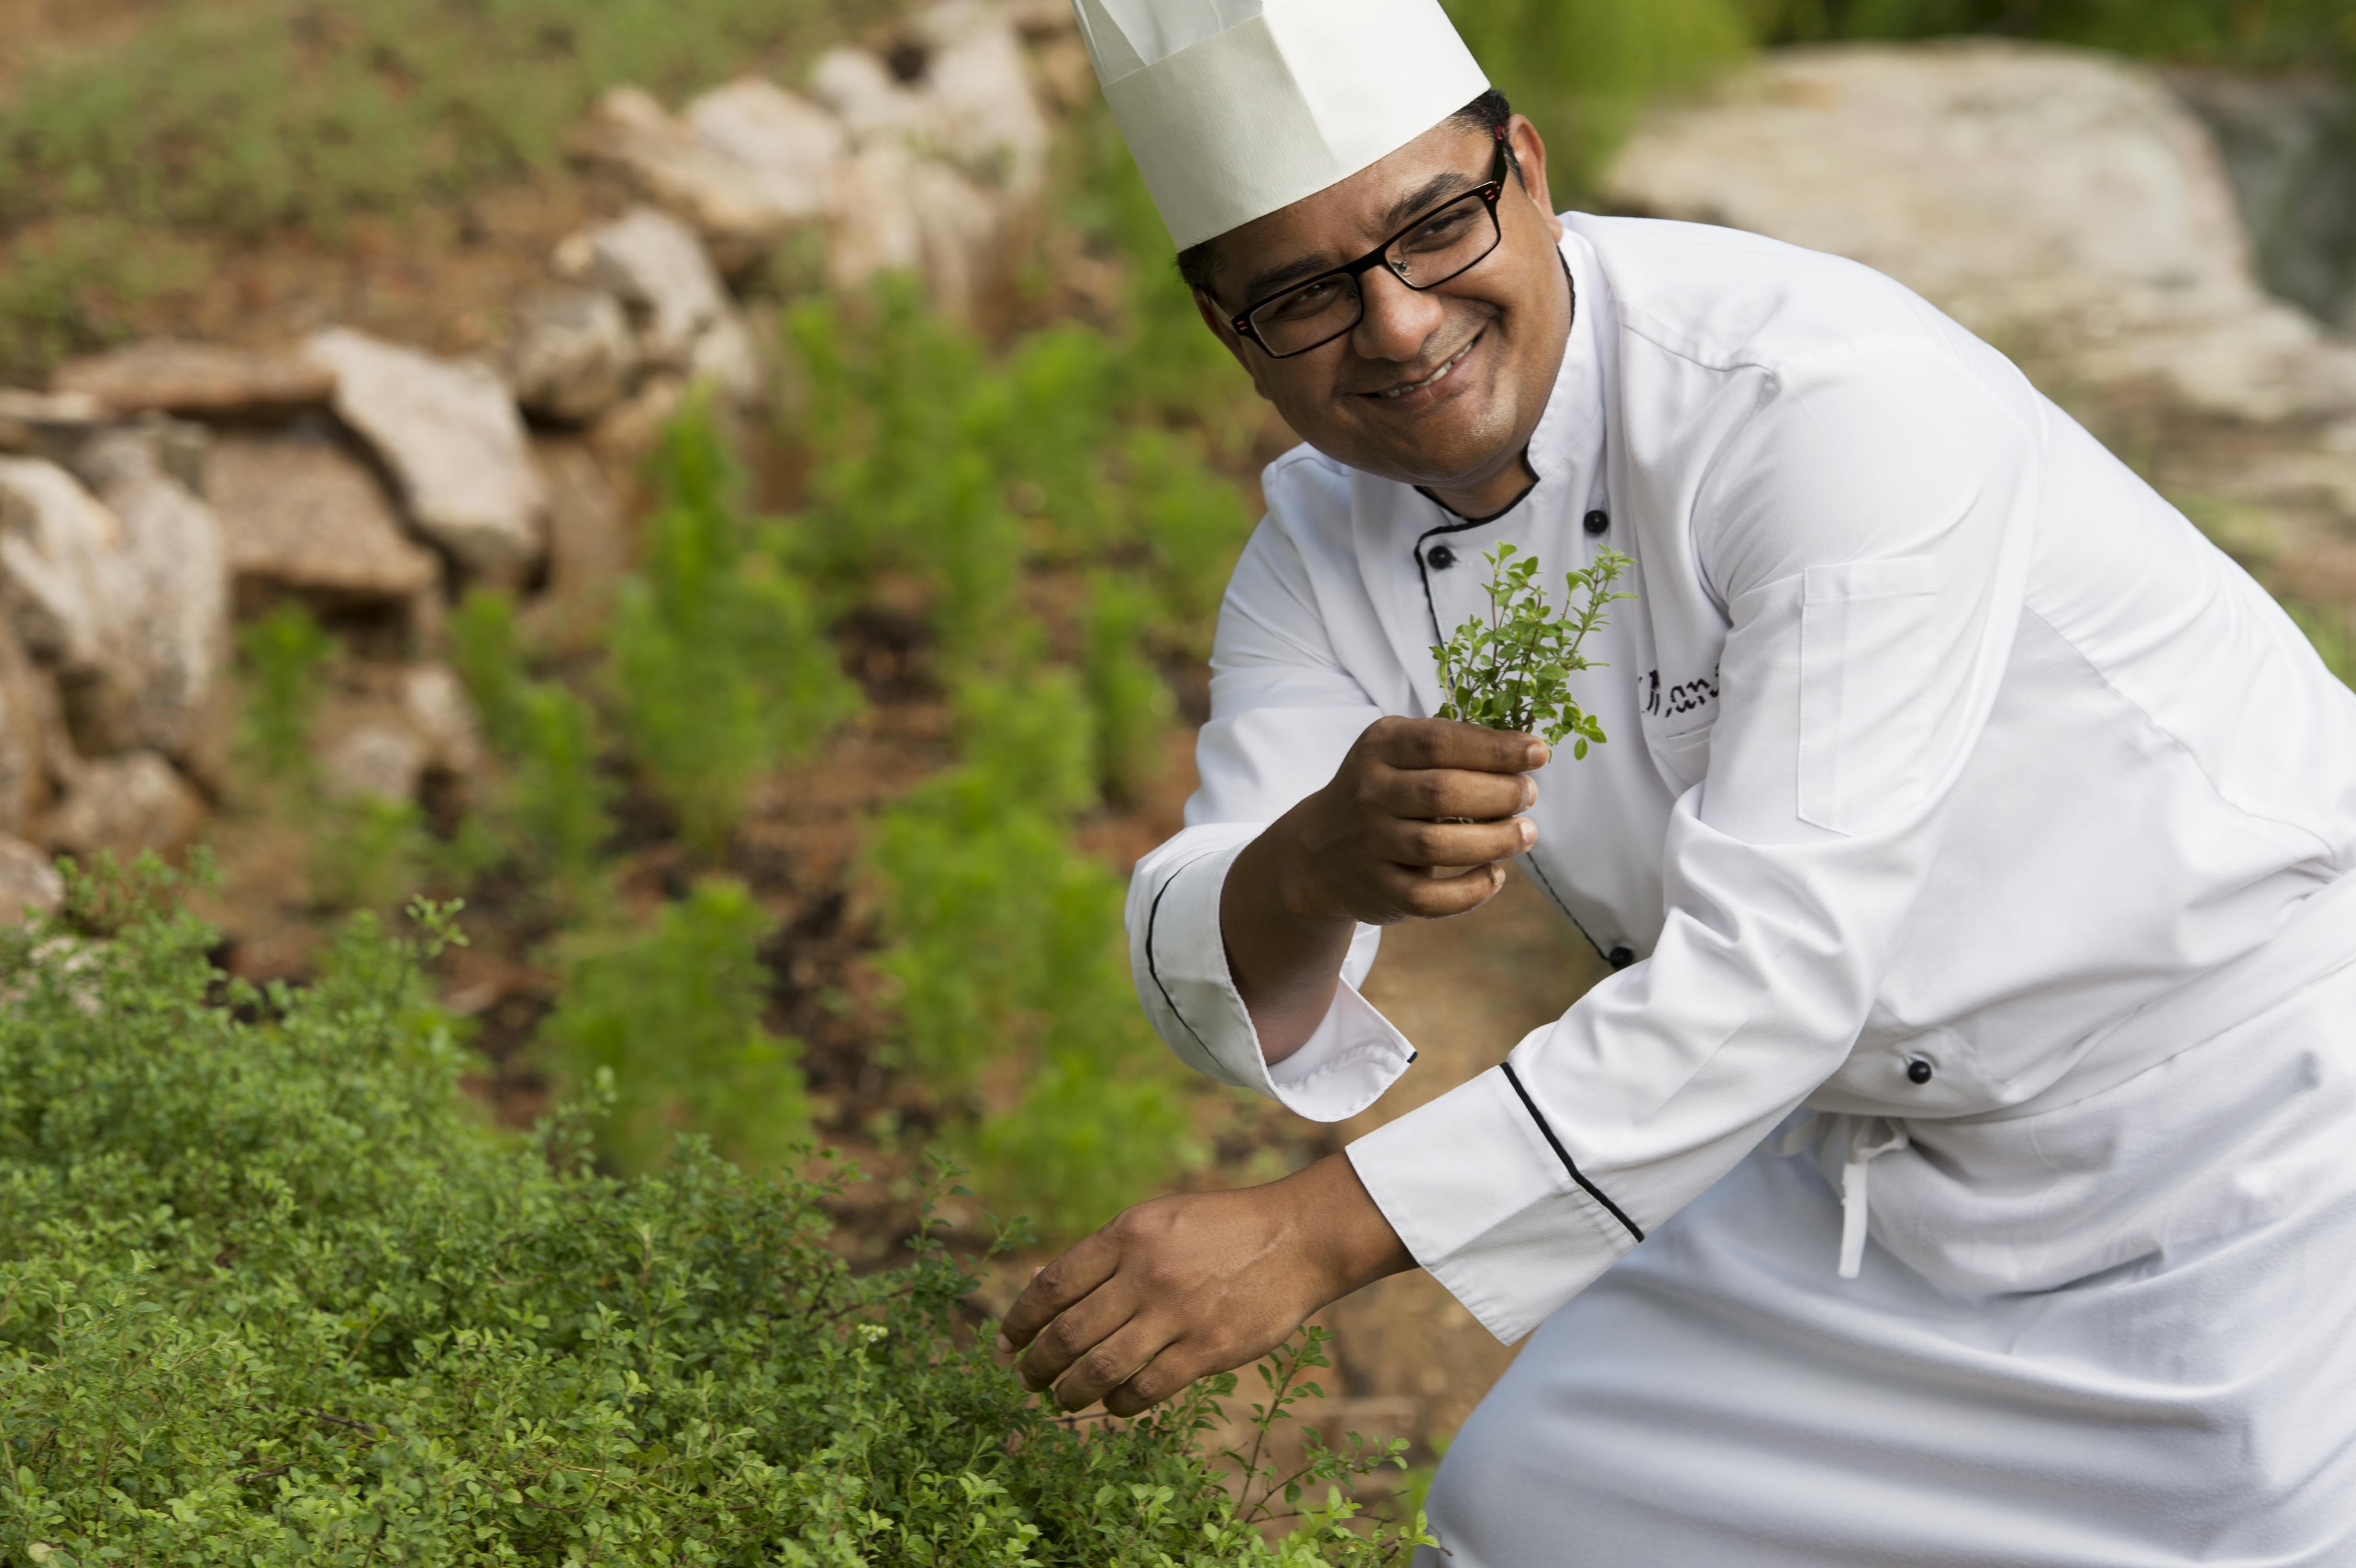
(1199, 264)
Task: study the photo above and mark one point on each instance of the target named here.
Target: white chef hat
(1235, 107)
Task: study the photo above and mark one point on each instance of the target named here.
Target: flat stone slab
(308, 516)
(202, 379)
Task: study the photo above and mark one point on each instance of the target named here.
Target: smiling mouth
(1437, 376)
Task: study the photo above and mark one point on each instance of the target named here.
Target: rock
(126, 804)
(306, 516)
(2044, 194)
(728, 357)
(29, 883)
(61, 567)
(454, 444)
(434, 702)
(377, 761)
(985, 112)
(874, 103)
(589, 549)
(924, 217)
(2289, 144)
(197, 378)
(630, 429)
(573, 355)
(176, 572)
(28, 716)
(740, 209)
(46, 424)
(653, 264)
(786, 146)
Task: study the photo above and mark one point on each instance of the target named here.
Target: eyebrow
(1445, 183)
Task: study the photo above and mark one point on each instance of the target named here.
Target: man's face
(1440, 388)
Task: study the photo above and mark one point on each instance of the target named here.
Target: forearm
(1286, 959)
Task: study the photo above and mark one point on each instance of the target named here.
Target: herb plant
(1511, 671)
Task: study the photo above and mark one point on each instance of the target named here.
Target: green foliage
(66, 287)
(488, 658)
(367, 854)
(1004, 942)
(671, 1014)
(721, 668)
(285, 656)
(559, 799)
(270, 1294)
(1191, 522)
(1132, 706)
(1512, 671)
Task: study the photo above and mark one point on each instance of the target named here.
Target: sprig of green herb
(1512, 671)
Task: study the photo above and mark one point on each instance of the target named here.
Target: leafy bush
(721, 668)
(671, 1014)
(272, 1293)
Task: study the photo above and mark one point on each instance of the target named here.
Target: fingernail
(1538, 754)
(1529, 832)
(1005, 1346)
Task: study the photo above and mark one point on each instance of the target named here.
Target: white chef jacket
(1944, 753)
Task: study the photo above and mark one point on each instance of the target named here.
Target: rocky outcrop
(197, 379)
(2054, 193)
(450, 435)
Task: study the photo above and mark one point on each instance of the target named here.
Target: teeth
(1447, 366)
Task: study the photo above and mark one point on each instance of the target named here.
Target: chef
(1959, 1167)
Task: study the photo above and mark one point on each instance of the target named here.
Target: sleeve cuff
(1180, 964)
(1479, 1192)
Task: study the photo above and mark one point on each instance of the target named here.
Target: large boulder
(64, 573)
(783, 145)
(450, 434)
(28, 717)
(572, 354)
(205, 379)
(176, 572)
(2047, 194)
(301, 515)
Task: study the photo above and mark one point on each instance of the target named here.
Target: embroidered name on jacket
(1685, 697)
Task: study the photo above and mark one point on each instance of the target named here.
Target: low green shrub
(366, 853)
(671, 1013)
(1004, 944)
(273, 1293)
(721, 668)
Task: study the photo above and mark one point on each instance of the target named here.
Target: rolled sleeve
(1179, 958)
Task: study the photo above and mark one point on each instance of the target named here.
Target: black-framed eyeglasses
(1443, 243)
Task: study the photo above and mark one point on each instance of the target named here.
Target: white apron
(2107, 1329)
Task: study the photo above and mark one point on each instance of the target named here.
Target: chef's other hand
(1181, 1287)
(1377, 844)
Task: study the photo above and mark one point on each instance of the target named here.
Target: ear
(1530, 153)
(1216, 320)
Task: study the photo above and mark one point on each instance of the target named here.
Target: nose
(1398, 321)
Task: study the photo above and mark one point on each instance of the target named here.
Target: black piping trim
(1153, 914)
(1563, 1154)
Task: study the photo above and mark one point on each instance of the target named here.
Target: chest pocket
(1867, 645)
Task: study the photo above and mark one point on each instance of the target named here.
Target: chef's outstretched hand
(1181, 1287)
(1412, 824)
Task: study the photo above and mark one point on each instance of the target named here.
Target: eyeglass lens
(1442, 245)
